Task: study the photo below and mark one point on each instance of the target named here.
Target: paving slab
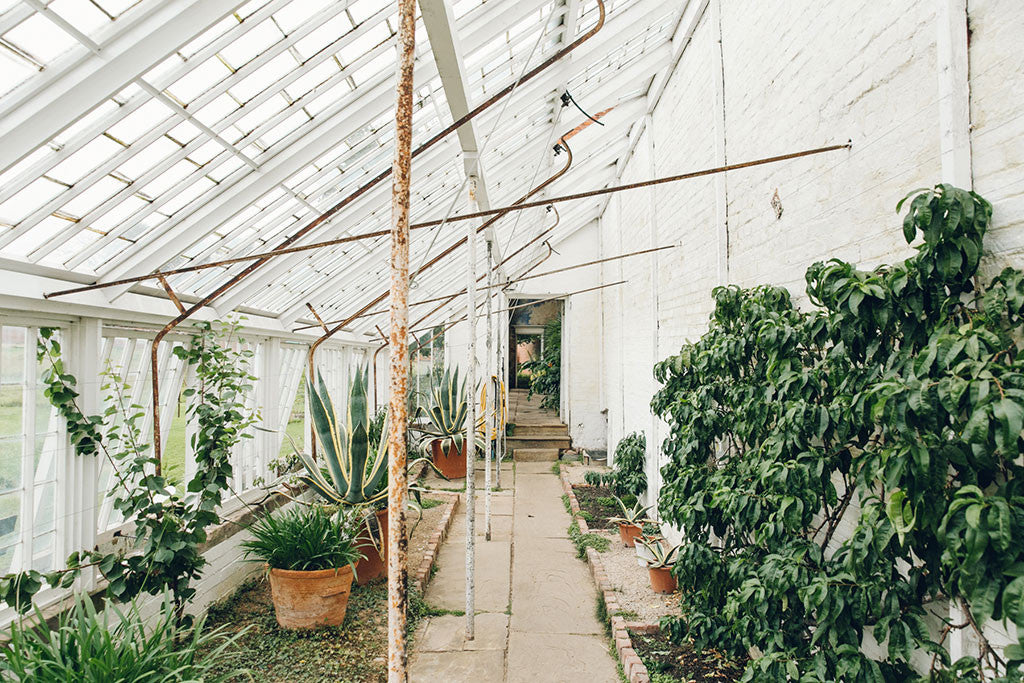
(501, 504)
(447, 589)
(464, 666)
(447, 633)
(534, 657)
(535, 468)
(501, 529)
(553, 593)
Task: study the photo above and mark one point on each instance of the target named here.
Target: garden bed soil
(667, 661)
(355, 652)
(597, 505)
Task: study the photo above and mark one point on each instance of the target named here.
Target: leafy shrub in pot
(311, 553)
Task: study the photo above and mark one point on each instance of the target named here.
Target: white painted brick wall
(801, 74)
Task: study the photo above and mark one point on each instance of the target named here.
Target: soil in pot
(310, 599)
(450, 461)
(662, 580)
(375, 562)
(629, 533)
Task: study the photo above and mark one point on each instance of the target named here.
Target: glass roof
(268, 116)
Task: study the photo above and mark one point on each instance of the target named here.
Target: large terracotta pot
(374, 563)
(452, 463)
(310, 599)
(629, 533)
(662, 580)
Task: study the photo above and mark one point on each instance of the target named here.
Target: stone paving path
(535, 600)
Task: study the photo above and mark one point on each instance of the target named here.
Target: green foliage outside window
(894, 405)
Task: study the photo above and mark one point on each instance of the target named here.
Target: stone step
(535, 454)
(556, 442)
(553, 429)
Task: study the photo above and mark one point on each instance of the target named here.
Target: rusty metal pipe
(398, 484)
(380, 177)
(500, 211)
(445, 299)
(429, 264)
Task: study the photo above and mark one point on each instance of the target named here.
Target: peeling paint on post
(398, 485)
(471, 416)
(491, 399)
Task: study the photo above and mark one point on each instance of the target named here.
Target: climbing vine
(546, 371)
(628, 477)
(169, 525)
(849, 471)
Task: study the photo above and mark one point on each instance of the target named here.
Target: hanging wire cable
(567, 98)
(483, 148)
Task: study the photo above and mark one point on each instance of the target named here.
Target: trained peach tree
(847, 473)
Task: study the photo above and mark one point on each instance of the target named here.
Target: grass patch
(428, 503)
(556, 468)
(583, 541)
(627, 614)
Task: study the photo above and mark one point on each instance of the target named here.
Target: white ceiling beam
(439, 20)
(42, 110)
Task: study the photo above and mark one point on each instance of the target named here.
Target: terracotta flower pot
(662, 580)
(629, 533)
(450, 461)
(374, 563)
(310, 599)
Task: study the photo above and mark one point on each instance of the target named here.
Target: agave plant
(635, 515)
(356, 473)
(661, 553)
(447, 414)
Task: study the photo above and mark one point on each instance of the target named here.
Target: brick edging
(634, 669)
(419, 582)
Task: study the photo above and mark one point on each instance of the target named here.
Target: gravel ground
(576, 470)
(633, 585)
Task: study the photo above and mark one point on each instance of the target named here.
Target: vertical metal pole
(471, 413)
(398, 485)
(491, 399)
(500, 443)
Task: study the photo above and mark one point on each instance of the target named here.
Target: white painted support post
(499, 397)
(955, 149)
(490, 396)
(471, 413)
(82, 472)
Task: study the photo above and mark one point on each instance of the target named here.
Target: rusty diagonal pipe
(426, 266)
(444, 302)
(446, 298)
(380, 177)
(462, 217)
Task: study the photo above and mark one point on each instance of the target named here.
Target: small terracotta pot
(310, 599)
(629, 533)
(452, 463)
(374, 563)
(662, 580)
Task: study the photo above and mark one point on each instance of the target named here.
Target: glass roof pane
(14, 69)
(40, 39)
(82, 14)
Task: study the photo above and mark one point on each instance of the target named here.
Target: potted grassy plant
(310, 552)
(446, 431)
(354, 467)
(631, 522)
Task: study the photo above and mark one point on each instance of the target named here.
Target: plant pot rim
(310, 574)
(633, 526)
(659, 569)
